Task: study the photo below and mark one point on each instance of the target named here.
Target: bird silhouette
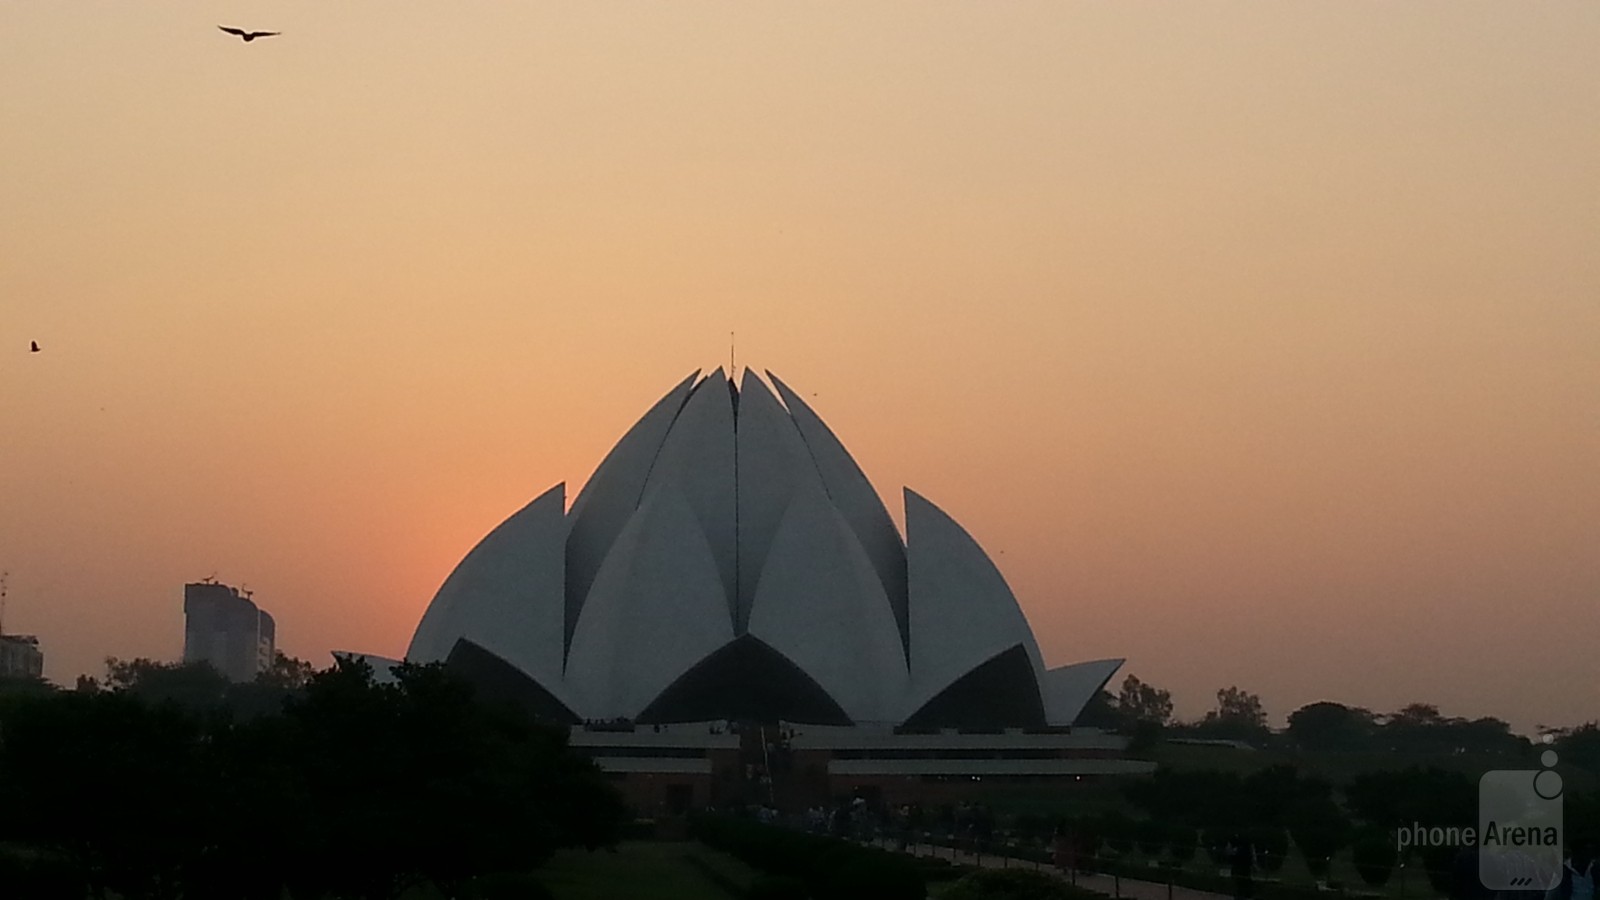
(33, 346)
(249, 36)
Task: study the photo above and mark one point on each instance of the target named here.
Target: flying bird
(33, 346)
(249, 35)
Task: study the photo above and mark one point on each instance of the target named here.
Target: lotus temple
(727, 613)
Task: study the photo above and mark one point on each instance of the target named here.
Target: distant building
(20, 656)
(664, 770)
(227, 630)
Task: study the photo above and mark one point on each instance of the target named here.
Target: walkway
(1111, 886)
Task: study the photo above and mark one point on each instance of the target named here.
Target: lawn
(641, 870)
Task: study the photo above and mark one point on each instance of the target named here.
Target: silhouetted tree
(1238, 716)
(190, 685)
(1140, 702)
(1319, 829)
(1578, 746)
(414, 782)
(110, 785)
(1421, 728)
(1100, 712)
(1331, 726)
(287, 672)
(356, 790)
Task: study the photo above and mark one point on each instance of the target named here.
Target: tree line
(165, 781)
(1146, 712)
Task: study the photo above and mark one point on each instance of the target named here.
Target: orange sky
(1259, 344)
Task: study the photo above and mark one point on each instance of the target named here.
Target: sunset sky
(1258, 343)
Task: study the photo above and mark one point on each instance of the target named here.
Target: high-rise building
(226, 629)
(20, 656)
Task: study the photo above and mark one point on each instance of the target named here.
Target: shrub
(1152, 836)
(1117, 830)
(1374, 856)
(1216, 840)
(1272, 846)
(1319, 829)
(1180, 842)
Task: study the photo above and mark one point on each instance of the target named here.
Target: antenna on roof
(3, 601)
(730, 357)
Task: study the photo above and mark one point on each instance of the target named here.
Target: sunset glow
(1257, 344)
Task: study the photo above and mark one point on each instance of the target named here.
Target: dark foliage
(38, 877)
(1140, 702)
(1331, 726)
(1579, 746)
(1100, 712)
(1374, 855)
(505, 886)
(1151, 836)
(1117, 831)
(1271, 843)
(1014, 884)
(1440, 864)
(1320, 829)
(1239, 716)
(777, 887)
(1180, 840)
(155, 788)
(1429, 797)
(1420, 727)
(1223, 800)
(828, 867)
(1215, 841)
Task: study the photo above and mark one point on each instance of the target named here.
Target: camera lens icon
(1547, 784)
